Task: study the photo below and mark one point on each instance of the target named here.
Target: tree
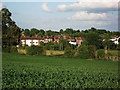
(118, 46)
(94, 39)
(56, 46)
(50, 45)
(49, 32)
(92, 51)
(34, 50)
(69, 52)
(26, 32)
(83, 52)
(41, 32)
(34, 31)
(101, 54)
(69, 31)
(10, 31)
(106, 42)
(61, 31)
(63, 44)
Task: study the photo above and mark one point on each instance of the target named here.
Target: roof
(50, 37)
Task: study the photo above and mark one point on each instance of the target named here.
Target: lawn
(20, 71)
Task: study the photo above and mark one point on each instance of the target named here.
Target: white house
(26, 40)
(115, 39)
(73, 43)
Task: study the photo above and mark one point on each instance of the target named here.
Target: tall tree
(34, 31)
(10, 31)
(94, 39)
(63, 44)
(41, 32)
(26, 32)
(106, 42)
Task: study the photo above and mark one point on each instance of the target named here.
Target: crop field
(20, 71)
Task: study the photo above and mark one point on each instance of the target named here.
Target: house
(35, 40)
(115, 39)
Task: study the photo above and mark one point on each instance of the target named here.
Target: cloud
(45, 7)
(94, 5)
(84, 15)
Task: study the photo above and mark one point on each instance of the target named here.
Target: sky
(79, 14)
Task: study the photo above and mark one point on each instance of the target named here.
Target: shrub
(92, 51)
(83, 52)
(101, 54)
(69, 52)
(9, 49)
(13, 49)
(34, 50)
(6, 49)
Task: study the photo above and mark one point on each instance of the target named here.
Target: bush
(69, 52)
(6, 49)
(34, 50)
(101, 54)
(9, 49)
(13, 49)
(22, 47)
(92, 51)
(83, 52)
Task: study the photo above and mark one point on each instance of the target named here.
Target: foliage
(26, 32)
(13, 49)
(94, 39)
(6, 49)
(41, 32)
(69, 52)
(83, 52)
(34, 50)
(34, 32)
(118, 46)
(92, 51)
(101, 54)
(56, 46)
(20, 71)
(10, 31)
(49, 46)
(63, 44)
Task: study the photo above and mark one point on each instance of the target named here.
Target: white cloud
(84, 15)
(94, 5)
(45, 7)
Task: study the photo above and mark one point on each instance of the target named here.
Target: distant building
(35, 40)
(115, 39)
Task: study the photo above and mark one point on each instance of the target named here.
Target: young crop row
(30, 78)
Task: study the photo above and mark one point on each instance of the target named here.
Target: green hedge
(12, 49)
(34, 50)
(101, 54)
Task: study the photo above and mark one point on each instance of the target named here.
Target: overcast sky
(81, 15)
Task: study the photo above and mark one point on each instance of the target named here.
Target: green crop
(21, 71)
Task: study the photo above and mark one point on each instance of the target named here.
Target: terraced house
(35, 40)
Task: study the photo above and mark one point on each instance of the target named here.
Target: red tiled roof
(51, 37)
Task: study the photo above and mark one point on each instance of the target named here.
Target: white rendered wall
(35, 42)
(74, 43)
(23, 42)
(28, 42)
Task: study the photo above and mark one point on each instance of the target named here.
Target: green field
(20, 71)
